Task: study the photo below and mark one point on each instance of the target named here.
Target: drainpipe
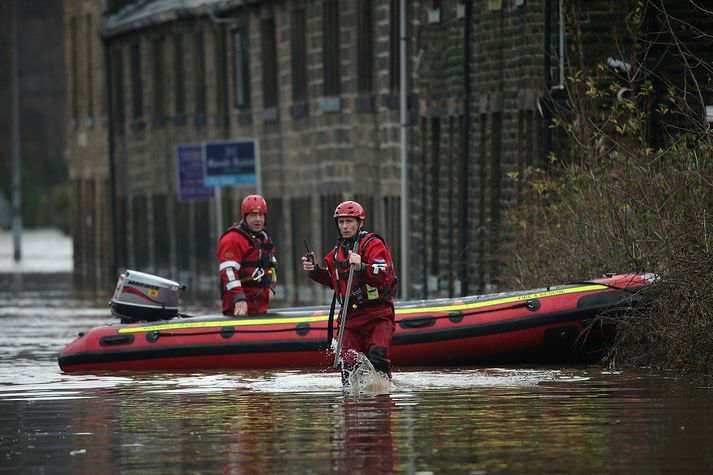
(467, 31)
(113, 226)
(546, 111)
(16, 158)
(560, 85)
(404, 153)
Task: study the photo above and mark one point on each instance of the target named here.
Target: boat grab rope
(231, 329)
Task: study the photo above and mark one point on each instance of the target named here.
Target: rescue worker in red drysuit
(246, 262)
(369, 323)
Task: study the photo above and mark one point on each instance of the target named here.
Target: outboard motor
(141, 297)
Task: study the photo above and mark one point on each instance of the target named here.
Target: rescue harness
(265, 263)
(373, 294)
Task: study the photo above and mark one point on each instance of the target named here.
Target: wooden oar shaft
(343, 313)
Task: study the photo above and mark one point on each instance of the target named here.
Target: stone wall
(332, 150)
(87, 150)
(320, 147)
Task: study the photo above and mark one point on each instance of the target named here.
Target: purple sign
(191, 174)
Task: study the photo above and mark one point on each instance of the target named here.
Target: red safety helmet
(350, 209)
(254, 204)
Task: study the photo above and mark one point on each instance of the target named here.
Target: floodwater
(473, 420)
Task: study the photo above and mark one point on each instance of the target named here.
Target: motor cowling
(141, 297)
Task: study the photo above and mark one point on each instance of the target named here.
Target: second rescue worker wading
(246, 262)
(369, 323)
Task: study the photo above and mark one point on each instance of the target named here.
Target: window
(74, 65)
(178, 74)
(394, 46)
(435, 192)
(365, 53)
(328, 204)
(456, 246)
(90, 68)
(220, 78)
(199, 72)
(392, 229)
(269, 63)
(117, 89)
(204, 239)
(276, 228)
(330, 47)
(298, 42)
(122, 235)
(495, 191)
(301, 211)
(372, 221)
(481, 187)
(241, 67)
(422, 226)
(78, 221)
(162, 241)
(140, 228)
(137, 95)
(525, 145)
(159, 100)
(495, 159)
(183, 226)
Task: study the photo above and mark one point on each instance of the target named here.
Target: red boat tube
(540, 323)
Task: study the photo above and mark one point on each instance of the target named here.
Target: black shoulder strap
(244, 233)
(376, 236)
(231, 229)
(371, 237)
(236, 228)
(240, 230)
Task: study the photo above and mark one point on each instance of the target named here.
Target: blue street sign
(231, 162)
(190, 174)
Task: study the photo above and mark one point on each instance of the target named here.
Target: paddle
(343, 313)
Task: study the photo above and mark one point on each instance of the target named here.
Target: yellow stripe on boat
(488, 303)
(325, 317)
(226, 323)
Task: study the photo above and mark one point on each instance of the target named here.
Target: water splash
(365, 379)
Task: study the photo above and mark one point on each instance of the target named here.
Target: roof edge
(145, 14)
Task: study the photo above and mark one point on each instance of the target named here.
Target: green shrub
(637, 195)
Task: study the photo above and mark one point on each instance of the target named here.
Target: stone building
(314, 81)
(87, 144)
(318, 83)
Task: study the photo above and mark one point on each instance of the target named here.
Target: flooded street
(434, 420)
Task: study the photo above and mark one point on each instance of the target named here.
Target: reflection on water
(455, 420)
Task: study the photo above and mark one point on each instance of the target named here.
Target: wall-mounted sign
(232, 162)
(190, 168)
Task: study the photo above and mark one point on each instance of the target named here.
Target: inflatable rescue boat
(546, 324)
